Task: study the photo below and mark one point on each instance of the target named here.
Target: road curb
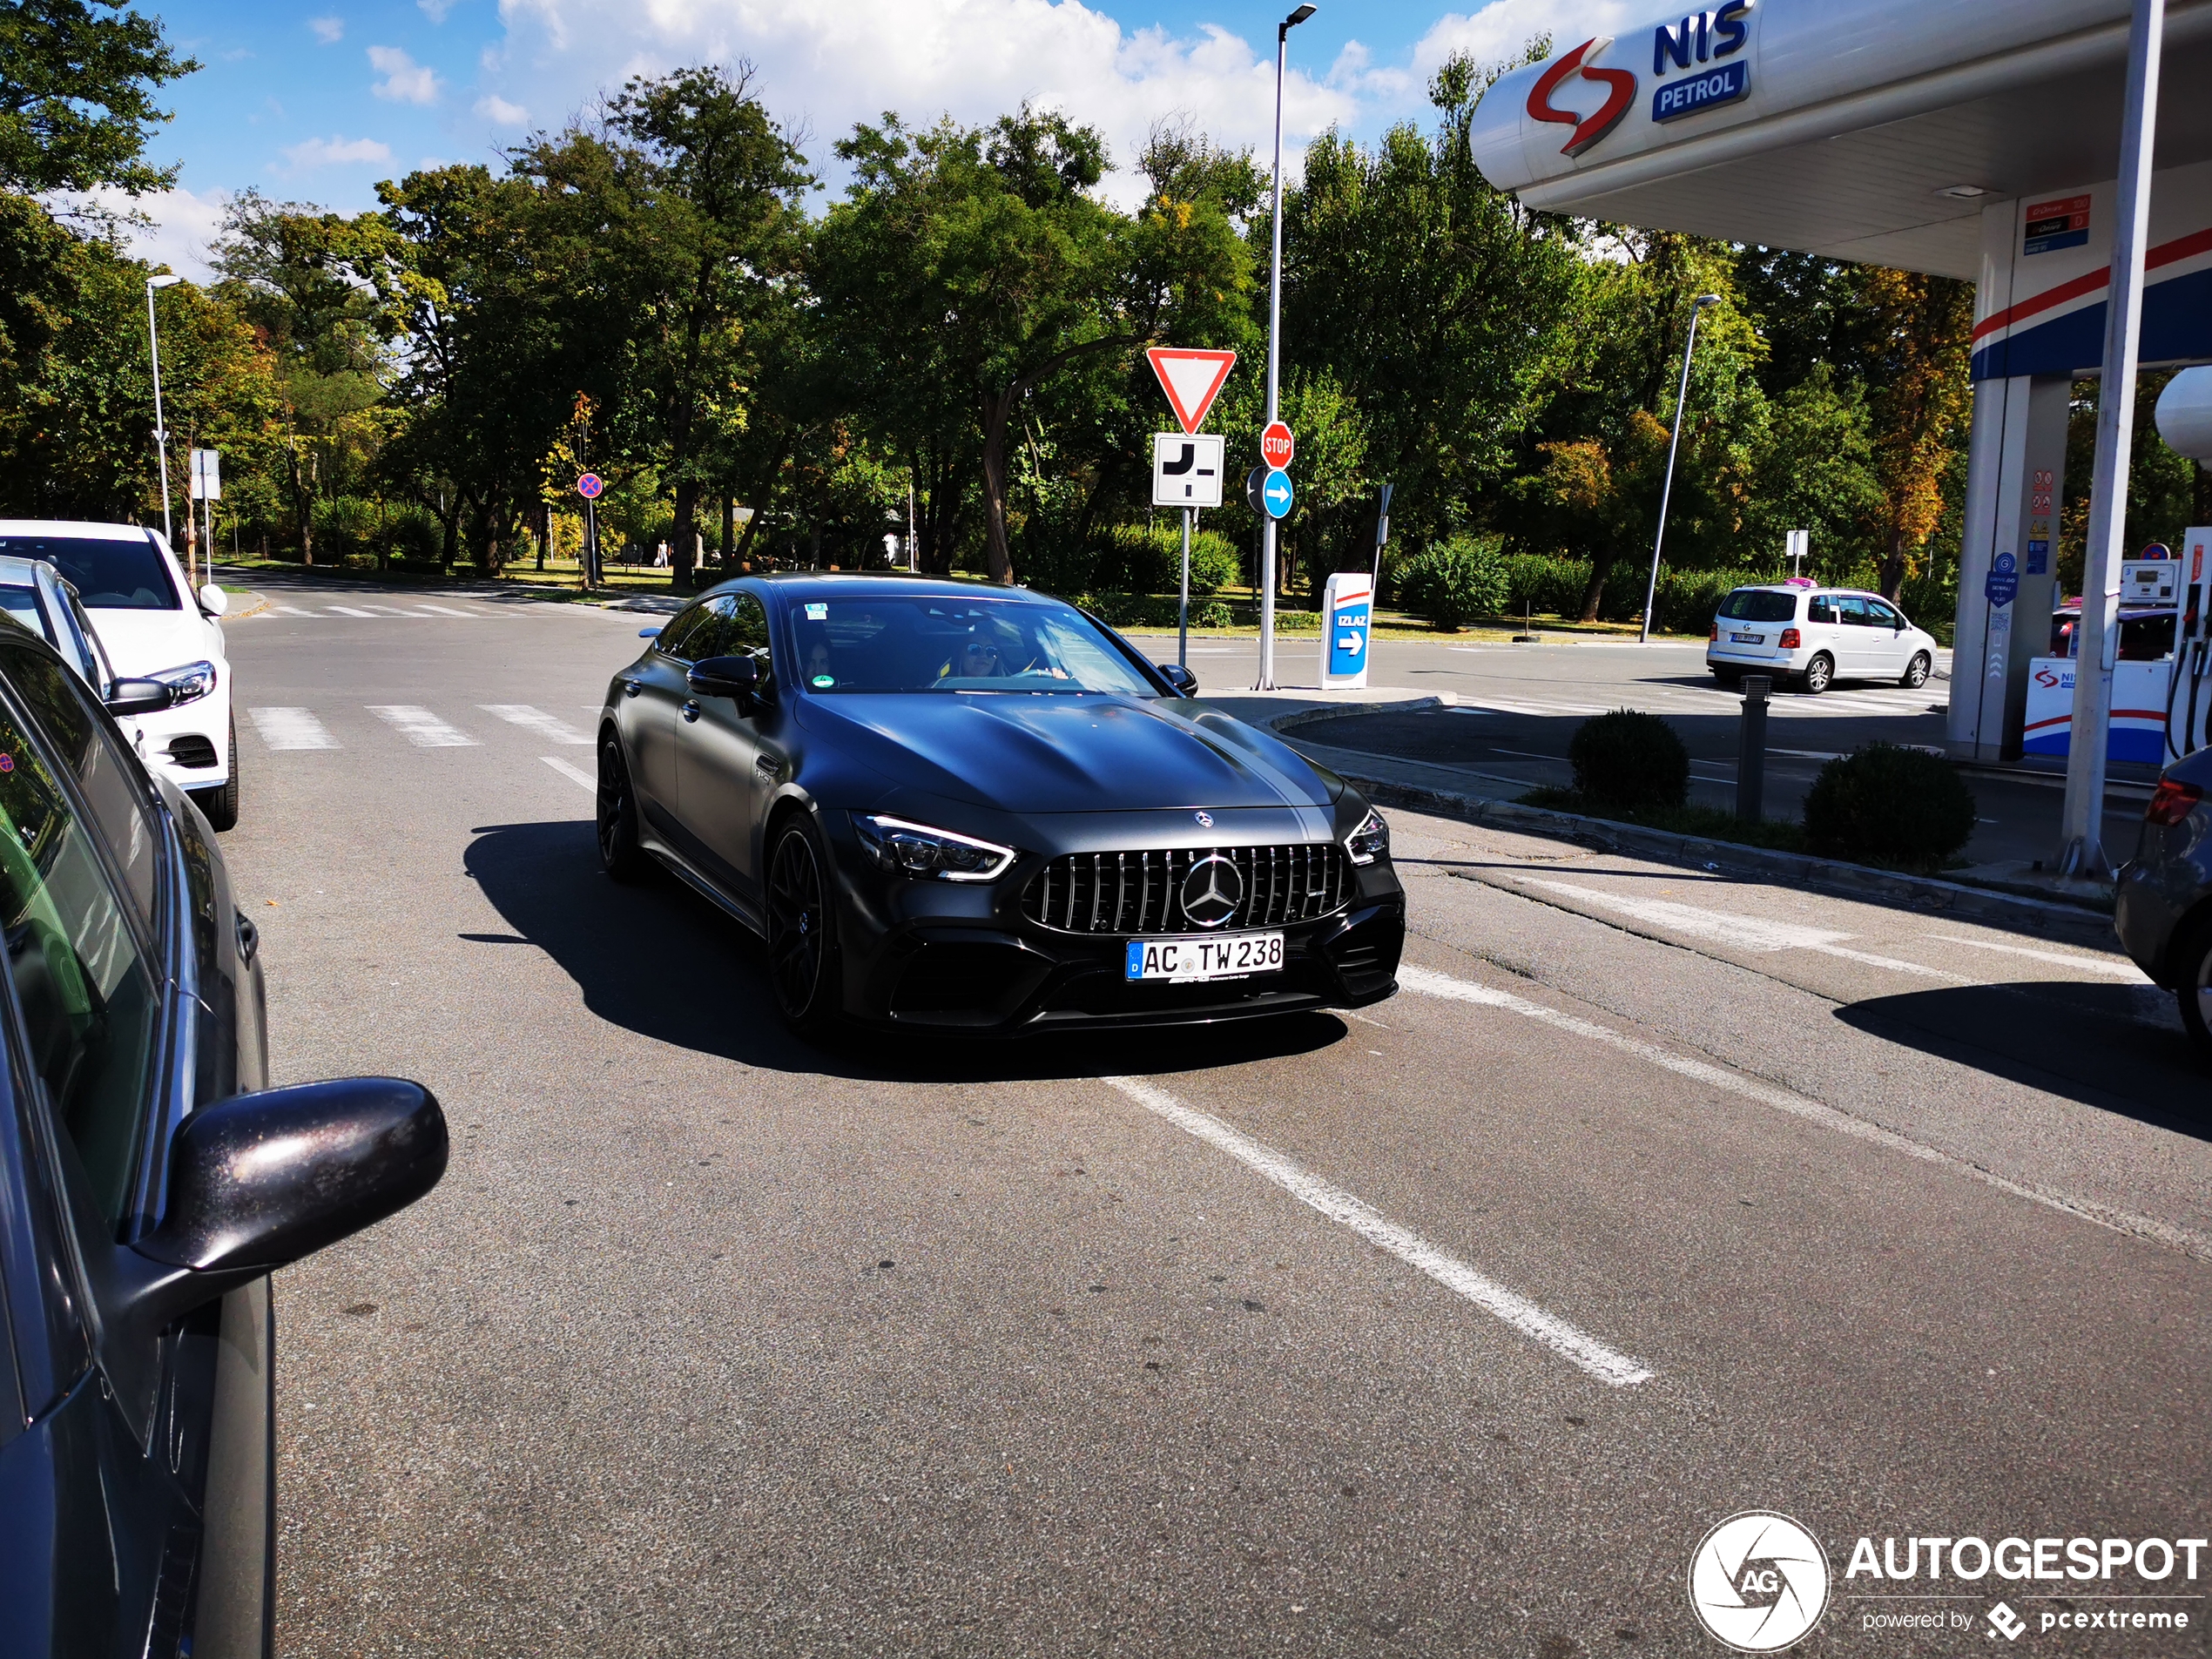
(1852, 880)
(261, 602)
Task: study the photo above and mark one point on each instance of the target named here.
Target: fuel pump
(2188, 698)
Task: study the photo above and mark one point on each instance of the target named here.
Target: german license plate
(1749, 639)
(1182, 960)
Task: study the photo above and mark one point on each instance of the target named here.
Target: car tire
(804, 970)
(620, 856)
(1728, 676)
(219, 805)
(2193, 985)
(1917, 671)
(1819, 674)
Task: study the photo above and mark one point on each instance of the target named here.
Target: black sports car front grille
(1141, 892)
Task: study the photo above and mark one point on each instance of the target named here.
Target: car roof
(1785, 587)
(21, 573)
(83, 530)
(815, 584)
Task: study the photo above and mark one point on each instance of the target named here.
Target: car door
(653, 690)
(1889, 647)
(719, 759)
(97, 1043)
(1852, 641)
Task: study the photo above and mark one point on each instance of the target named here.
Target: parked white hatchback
(153, 627)
(1816, 636)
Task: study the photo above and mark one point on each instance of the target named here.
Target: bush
(1455, 581)
(344, 526)
(1135, 560)
(1212, 614)
(412, 533)
(1629, 762)
(1884, 804)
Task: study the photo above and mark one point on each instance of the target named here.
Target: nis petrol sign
(1694, 59)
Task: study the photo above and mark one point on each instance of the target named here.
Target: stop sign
(1276, 445)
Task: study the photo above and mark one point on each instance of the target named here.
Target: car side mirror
(213, 600)
(732, 677)
(137, 696)
(1185, 683)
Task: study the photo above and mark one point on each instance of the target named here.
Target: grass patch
(1708, 823)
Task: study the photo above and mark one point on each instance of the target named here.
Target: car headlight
(188, 683)
(1371, 841)
(927, 855)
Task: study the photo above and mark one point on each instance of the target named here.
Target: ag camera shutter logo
(1758, 1581)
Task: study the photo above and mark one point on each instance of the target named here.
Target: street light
(160, 436)
(1666, 488)
(1274, 321)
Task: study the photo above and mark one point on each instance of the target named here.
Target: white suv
(1817, 636)
(152, 627)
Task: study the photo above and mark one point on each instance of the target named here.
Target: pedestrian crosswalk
(287, 729)
(421, 727)
(1872, 701)
(364, 611)
(291, 729)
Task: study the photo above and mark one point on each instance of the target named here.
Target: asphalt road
(1518, 706)
(1447, 1328)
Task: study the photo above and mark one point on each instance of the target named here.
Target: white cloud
(1501, 30)
(437, 11)
(329, 31)
(335, 152)
(825, 67)
(180, 223)
(404, 81)
(500, 112)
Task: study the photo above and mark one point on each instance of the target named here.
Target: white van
(152, 627)
(1817, 636)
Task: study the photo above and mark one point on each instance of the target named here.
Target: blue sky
(316, 102)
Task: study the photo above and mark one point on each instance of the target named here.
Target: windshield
(864, 644)
(1759, 605)
(108, 576)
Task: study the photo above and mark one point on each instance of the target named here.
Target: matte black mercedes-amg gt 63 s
(149, 1183)
(979, 810)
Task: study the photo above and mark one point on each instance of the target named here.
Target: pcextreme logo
(1588, 129)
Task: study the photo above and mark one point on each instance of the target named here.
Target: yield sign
(1192, 379)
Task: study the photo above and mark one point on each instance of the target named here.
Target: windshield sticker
(824, 680)
(817, 613)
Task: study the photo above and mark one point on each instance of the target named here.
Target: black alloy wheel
(619, 853)
(2194, 986)
(1819, 675)
(1916, 671)
(802, 932)
(220, 803)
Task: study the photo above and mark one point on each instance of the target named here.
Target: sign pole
(591, 543)
(1182, 623)
(1274, 352)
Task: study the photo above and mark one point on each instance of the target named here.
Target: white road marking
(421, 727)
(1745, 933)
(568, 770)
(548, 727)
(1427, 982)
(2087, 964)
(289, 610)
(386, 610)
(447, 610)
(291, 729)
(346, 610)
(1567, 1340)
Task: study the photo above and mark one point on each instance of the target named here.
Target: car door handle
(691, 710)
(630, 688)
(770, 765)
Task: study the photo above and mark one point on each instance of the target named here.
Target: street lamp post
(1667, 486)
(160, 432)
(1274, 358)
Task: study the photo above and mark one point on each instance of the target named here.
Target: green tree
(77, 84)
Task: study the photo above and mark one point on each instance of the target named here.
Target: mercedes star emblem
(1212, 891)
(1205, 819)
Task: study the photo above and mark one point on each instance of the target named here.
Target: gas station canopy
(1867, 130)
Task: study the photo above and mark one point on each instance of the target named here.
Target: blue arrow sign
(2002, 585)
(1275, 494)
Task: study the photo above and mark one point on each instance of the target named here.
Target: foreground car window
(925, 645)
(88, 1000)
(113, 576)
(88, 748)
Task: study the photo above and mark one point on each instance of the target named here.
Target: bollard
(1751, 749)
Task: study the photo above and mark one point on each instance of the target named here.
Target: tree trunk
(687, 507)
(1601, 567)
(1893, 567)
(998, 557)
(729, 532)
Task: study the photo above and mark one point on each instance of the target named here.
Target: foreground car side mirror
(213, 600)
(1185, 683)
(736, 677)
(137, 696)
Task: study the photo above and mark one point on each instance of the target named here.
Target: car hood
(146, 641)
(1064, 754)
